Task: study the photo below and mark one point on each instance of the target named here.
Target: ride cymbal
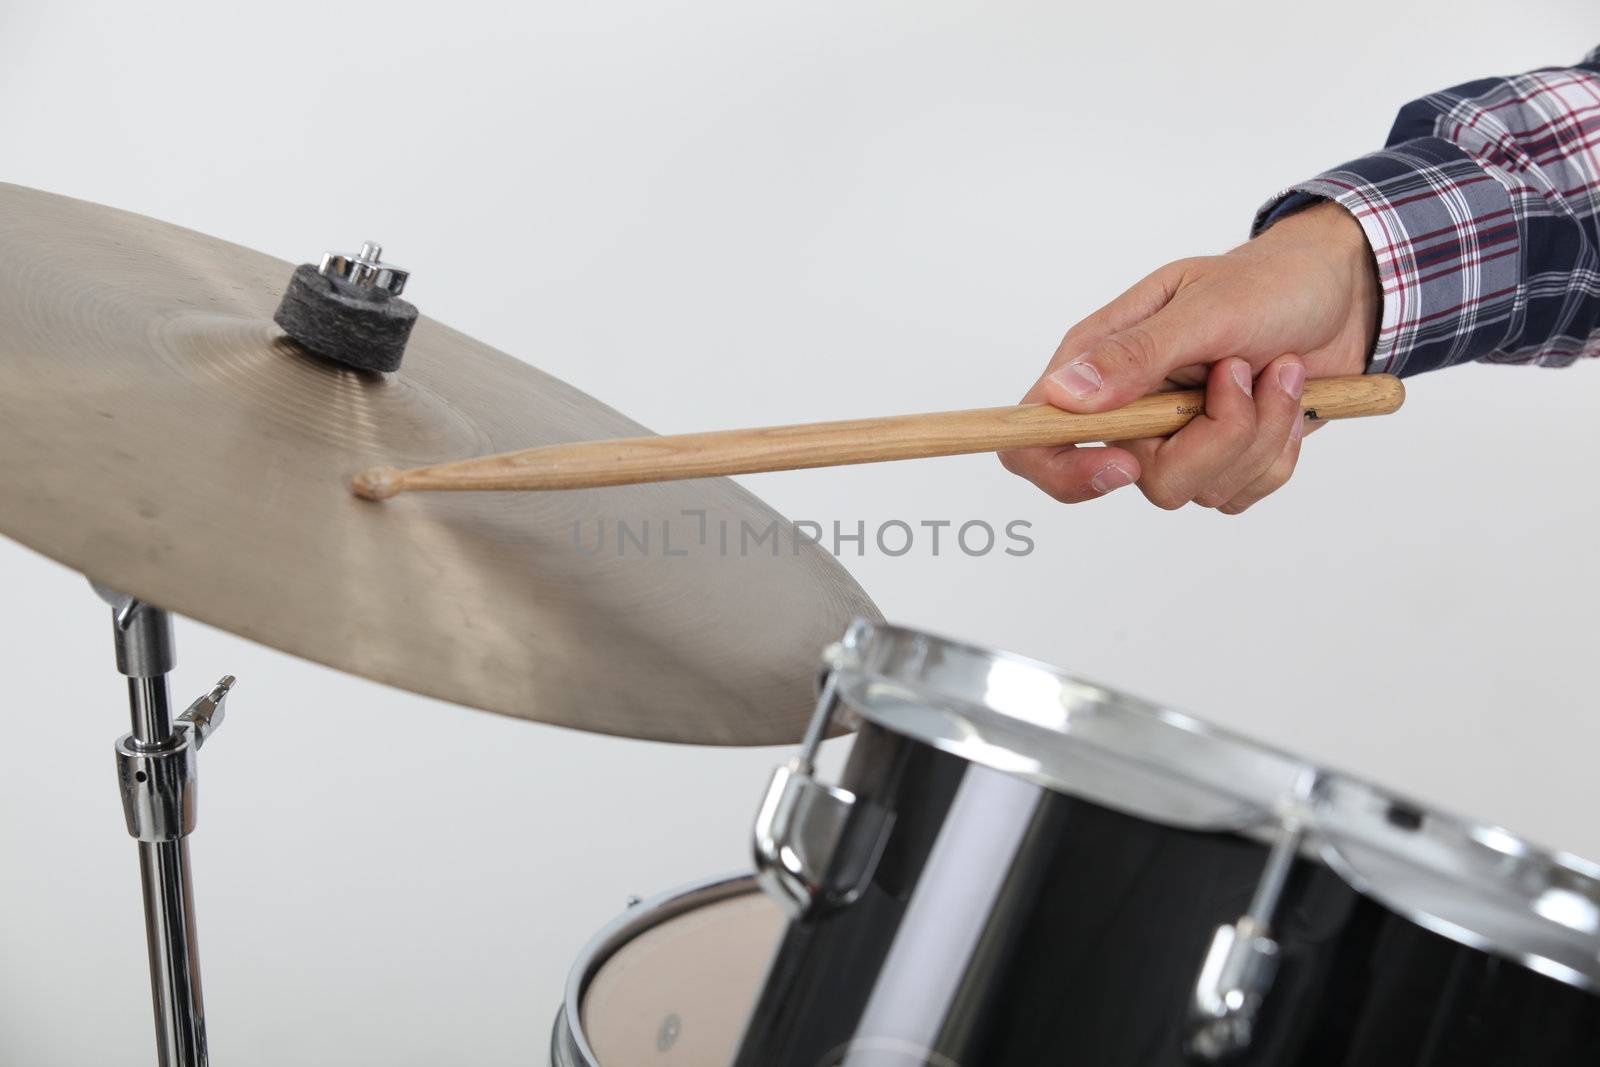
(161, 435)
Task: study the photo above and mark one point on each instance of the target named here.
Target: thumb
(1135, 361)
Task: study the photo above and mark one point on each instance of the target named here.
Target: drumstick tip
(377, 483)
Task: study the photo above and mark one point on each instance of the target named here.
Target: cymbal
(162, 436)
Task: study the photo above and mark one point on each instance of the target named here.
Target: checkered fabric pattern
(1483, 213)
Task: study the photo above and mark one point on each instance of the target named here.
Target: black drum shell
(1091, 943)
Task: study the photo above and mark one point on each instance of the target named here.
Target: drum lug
(1242, 962)
(797, 833)
(816, 845)
(1238, 971)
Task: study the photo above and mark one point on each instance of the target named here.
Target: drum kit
(1014, 866)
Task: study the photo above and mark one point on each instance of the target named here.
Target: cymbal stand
(156, 770)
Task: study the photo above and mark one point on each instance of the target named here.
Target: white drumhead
(678, 993)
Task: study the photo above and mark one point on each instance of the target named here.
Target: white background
(720, 214)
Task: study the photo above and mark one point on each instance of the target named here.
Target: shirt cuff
(1446, 243)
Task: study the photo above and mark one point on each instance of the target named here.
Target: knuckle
(1167, 278)
(1066, 493)
(1186, 269)
(1236, 481)
(1131, 350)
(1164, 494)
(1276, 478)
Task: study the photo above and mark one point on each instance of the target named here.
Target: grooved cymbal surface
(160, 434)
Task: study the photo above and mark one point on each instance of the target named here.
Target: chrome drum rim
(569, 1045)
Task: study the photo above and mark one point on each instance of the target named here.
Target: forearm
(1483, 215)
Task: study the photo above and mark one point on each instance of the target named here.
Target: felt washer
(361, 326)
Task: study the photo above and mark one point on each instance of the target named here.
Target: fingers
(1273, 479)
(1178, 326)
(1244, 446)
(1073, 474)
(1277, 400)
(1131, 362)
(1184, 465)
(1146, 297)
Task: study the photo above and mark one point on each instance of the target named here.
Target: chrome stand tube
(156, 772)
(180, 1013)
(152, 716)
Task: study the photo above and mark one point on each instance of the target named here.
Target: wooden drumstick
(626, 461)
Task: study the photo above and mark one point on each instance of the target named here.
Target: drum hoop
(1254, 810)
(1453, 931)
(639, 918)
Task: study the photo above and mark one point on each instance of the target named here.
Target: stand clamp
(158, 782)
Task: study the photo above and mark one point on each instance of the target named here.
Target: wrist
(1345, 236)
(1330, 232)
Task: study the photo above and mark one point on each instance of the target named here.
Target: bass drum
(672, 981)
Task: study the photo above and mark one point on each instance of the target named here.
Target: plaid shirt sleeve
(1483, 213)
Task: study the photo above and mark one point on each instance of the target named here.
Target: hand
(1300, 300)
